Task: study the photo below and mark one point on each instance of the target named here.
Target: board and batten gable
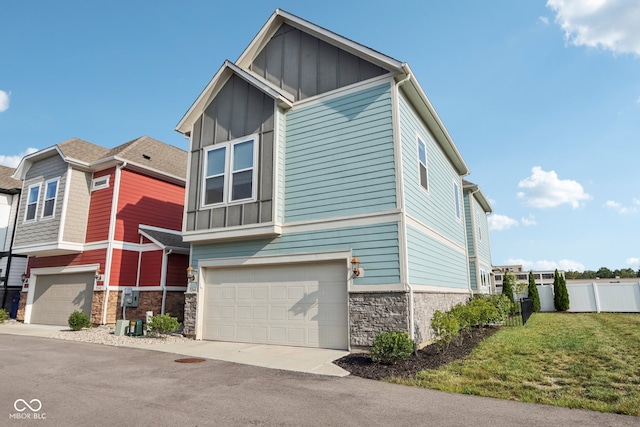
(436, 240)
(239, 109)
(306, 66)
(42, 230)
(340, 156)
(375, 243)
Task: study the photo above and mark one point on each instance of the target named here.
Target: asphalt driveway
(59, 383)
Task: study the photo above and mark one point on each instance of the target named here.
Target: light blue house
(324, 197)
(476, 209)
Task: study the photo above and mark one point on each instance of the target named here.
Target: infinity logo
(35, 408)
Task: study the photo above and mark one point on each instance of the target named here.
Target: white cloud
(544, 190)
(501, 222)
(543, 19)
(608, 24)
(563, 264)
(620, 208)
(13, 161)
(633, 262)
(4, 101)
(528, 221)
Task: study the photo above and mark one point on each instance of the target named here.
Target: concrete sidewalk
(299, 359)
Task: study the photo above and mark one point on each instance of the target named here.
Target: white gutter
(110, 238)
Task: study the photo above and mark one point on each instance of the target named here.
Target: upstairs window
(456, 197)
(50, 193)
(230, 172)
(478, 226)
(422, 164)
(32, 202)
(100, 182)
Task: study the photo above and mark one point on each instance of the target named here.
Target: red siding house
(95, 222)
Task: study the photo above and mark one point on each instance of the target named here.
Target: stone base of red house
(148, 301)
(374, 312)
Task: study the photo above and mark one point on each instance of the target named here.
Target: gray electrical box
(130, 297)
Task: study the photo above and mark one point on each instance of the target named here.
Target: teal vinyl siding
(433, 263)
(484, 245)
(435, 209)
(468, 221)
(472, 211)
(375, 245)
(339, 157)
(473, 276)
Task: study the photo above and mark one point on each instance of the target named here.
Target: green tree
(507, 285)
(533, 292)
(560, 292)
(604, 273)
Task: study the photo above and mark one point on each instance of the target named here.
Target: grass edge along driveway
(576, 360)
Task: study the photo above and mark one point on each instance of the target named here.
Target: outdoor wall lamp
(24, 277)
(191, 274)
(99, 276)
(355, 267)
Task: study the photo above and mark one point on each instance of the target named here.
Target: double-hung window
(422, 164)
(230, 172)
(50, 194)
(33, 195)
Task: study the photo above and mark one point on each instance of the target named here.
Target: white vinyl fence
(596, 297)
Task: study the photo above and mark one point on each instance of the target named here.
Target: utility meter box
(122, 327)
(130, 297)
(135, 328)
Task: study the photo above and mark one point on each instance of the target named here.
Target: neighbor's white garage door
(56, 296)
(301, 305)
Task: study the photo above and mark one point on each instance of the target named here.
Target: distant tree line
(603, 273)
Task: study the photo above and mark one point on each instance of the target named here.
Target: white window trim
(457, 201)
(478, 227)
(421, 140)
(55, 198)
(228, 162)
(95, 182)
(26, 209)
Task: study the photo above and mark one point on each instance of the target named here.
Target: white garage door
(56, 296)
(302, 305)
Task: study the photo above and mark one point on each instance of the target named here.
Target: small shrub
(162, 324)
(446, 327)
(534, 296)
(390, 347)
(486, 312)
(501, 303)
(560, 293)
(507, 285)
(4, 315)
(78, 320)
(467, 317)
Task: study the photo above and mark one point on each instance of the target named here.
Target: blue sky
(541, 97)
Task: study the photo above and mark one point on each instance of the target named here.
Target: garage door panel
(57, 296)
(305, 305)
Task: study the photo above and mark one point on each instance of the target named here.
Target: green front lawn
(588, 361)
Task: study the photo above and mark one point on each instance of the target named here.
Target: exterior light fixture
(24, 277)
(191, 274)
(99, 276)
(355, 266)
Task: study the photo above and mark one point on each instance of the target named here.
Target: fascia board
(285, 100)
(280, 16)
(29, 159)
(424, 107)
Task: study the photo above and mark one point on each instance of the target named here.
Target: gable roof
(144, 153)
(284, 99)
(401, 71)
(8, 184)
(478, 194)
(166, 239)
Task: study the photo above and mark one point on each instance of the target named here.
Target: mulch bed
(361, 365)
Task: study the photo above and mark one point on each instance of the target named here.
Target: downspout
(112, 233)
(163, 279)
(405, 248)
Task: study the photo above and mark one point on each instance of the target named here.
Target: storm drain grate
(190, 360)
